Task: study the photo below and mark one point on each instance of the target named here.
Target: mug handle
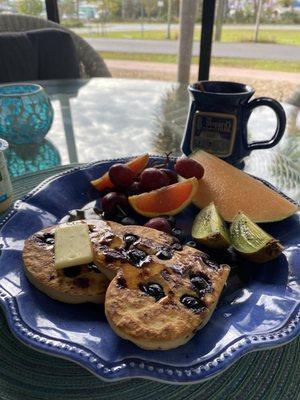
(281, 122)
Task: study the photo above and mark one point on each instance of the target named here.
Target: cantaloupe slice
(233, 190)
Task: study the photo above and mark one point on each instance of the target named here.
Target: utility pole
(123, 9)
(188, 10)
(142, 19)
(169, 19)
(258, 15)
(219, 19)
(77, 9)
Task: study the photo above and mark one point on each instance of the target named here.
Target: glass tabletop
(103, 118)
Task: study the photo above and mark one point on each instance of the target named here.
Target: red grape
(121, 175)
(173, 178)
(152, 179)
(133, 189)
(111, 202)
(160, 224)
(188, 168)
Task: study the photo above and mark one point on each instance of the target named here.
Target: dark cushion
(18, 58)
(57, 55)
(36, 55)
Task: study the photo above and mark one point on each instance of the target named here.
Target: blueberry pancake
(79, 284)
(111, 250)
(161, 293)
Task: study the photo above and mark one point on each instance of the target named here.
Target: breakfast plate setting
(154, 267)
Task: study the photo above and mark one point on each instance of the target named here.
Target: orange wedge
(137, 165)
(169, 200)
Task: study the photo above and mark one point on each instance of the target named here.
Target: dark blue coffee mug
(218, 118)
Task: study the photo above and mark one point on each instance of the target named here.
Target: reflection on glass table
(104, 118)
(23, 159)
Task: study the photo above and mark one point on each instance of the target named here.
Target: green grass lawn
(149, 35)
(269, 65)
(268, 36)
(283, 36)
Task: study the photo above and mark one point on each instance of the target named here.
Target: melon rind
(232, 190)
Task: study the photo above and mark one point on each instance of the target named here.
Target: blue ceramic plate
(260, 308)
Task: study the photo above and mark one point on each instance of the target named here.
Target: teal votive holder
(26, 113)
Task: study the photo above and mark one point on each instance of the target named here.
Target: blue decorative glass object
(23, 159)
(26, 113)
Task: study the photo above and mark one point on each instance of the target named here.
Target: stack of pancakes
(157, 293)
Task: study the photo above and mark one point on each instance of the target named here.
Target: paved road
(262, 51)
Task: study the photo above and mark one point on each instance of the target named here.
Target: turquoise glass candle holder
(24, 159)
(26, 113)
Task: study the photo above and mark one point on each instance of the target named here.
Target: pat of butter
(72, 246)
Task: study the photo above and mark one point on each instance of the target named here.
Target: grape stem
(158, 165)
(165, 163)
(121, 210)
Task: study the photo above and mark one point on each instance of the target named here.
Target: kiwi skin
(216, 235)
(214, 241)
(267, 253)
(268, 248)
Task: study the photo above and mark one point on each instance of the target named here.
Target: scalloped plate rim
(133, 368)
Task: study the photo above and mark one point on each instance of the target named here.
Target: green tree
(286, 3)
(150, 6)
(113, 8)
(67, 7)
(30, 7)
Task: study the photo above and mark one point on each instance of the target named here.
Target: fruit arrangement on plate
(159, 283)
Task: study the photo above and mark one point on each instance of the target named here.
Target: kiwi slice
(252, 242)
(210, 229)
